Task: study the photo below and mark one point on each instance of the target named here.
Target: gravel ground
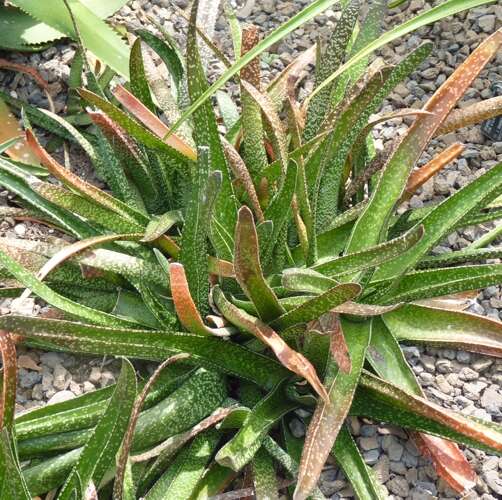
(458, 380)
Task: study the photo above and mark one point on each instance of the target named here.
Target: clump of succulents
(259, 256)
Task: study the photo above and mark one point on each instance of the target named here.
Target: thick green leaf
(306, 280)
(248, 269)
(329, 62)
(456, 329)
(211, 352)
(243, 446)
(57, 300)
(13, 485)
(437, 282)
(139, 83)
(361, 477)
(198, 214)
(328, 418)
(206, 135)
(99, 452)
(444, 217)
(181, 478)
(264, 476)
(317, 306)
(371, 257)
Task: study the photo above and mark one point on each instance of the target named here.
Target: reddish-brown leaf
(420, 176)
(8, 399)
(290, 358)
(448, 461)
(185, 307)
(147, 118)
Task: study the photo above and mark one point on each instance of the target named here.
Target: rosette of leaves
(262, 255)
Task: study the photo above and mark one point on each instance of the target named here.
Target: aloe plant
(261, 261)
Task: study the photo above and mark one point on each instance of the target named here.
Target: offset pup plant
(260, 258)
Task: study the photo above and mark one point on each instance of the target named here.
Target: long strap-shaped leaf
(371, 257)
(328, 418)
(211, 352)
(388, 361)
(290, 358)
(248, 268)
(102, 447)
(457, 329)
(437, 282)
(361, 477)
(368, 229)
(386, 402)
(206, 134)
(50, 296)
(443, 218)
(317, 306)
(12, 483)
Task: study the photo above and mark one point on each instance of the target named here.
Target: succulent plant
(259, 255)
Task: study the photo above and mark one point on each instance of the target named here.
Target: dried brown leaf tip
(9, 362)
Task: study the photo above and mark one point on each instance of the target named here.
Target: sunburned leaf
(248, 268)
(186, 309)
(368, 229)
(241, 172)
(291, 359)
(243, 446)
(386, 402)
(431, 325)
(420, 176)
(253, 137)
(475, 113)
(329, 416)
(102, 446)
(315, 307)
(82, 187)
(150, 120)
(388, 361)
(9, 379)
